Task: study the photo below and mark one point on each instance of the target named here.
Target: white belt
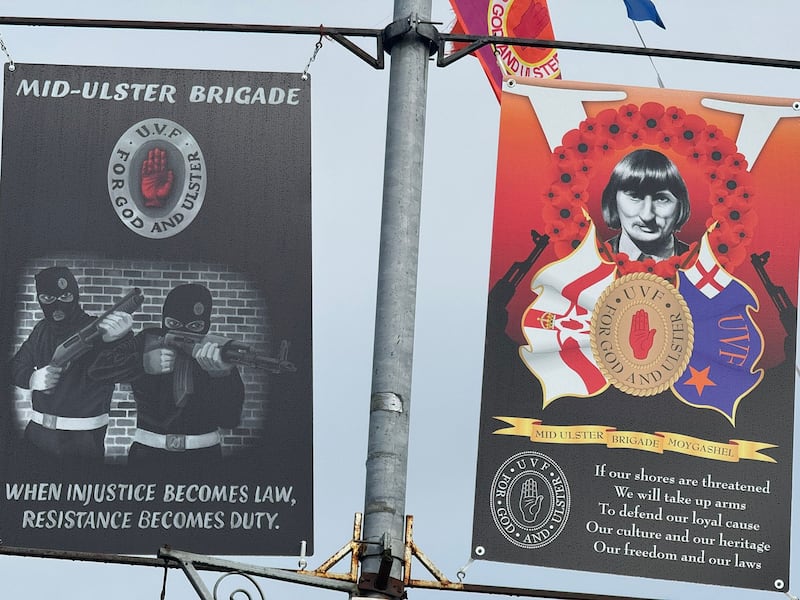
(69, 423)
(177, 442)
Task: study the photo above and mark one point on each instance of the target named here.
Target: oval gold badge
(642, 334)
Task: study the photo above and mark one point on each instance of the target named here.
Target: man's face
(647, 217)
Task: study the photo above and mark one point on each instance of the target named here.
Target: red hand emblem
(641, 336)
(156, 178)
(531, 22)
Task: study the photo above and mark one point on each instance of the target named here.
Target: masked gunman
(70, 410)
(181, 399)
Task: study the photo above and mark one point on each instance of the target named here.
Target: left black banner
(155, 310)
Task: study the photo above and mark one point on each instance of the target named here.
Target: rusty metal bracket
(441, 582)
(321, 577)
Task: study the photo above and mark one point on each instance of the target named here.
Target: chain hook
(317, 48)
(11, 65)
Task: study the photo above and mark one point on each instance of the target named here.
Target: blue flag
(643, 10)
(727, 342)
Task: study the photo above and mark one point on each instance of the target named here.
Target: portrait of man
(647, 200)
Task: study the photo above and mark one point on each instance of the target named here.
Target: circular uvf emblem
(642, 334)
(530, 499)
(157, 178)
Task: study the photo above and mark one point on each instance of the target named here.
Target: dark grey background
(255, 220)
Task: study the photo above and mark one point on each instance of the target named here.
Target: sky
(349, 101)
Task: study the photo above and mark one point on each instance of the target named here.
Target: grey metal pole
(390, 402)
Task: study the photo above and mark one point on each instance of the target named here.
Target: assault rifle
(786, 310)
(503, 290)
(232, 351)
(84, 340)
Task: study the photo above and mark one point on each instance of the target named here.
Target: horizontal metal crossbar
(343, 35)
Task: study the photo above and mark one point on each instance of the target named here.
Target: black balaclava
(187, 308)
(58, 286)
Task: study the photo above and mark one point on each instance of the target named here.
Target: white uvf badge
(530, 499)
(157, 178)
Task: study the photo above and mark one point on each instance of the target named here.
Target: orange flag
(529, 19)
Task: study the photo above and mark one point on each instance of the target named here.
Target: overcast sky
(348, 124)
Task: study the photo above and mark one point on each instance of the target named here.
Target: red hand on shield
(641, 336)
(156, 178)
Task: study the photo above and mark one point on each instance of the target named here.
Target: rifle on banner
(504, 289)
(232, 351)
(786, 310)
(84, 340)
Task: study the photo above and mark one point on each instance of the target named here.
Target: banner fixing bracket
(425, 30)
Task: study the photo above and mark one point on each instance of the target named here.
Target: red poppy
(579, 142)
(561, 207)
(648, 265)
(652, 115)
(636, 136)
(566, 247)
(729, 181)
(742, 197)
(630, 116)
(589, 126)
(715, 145)
(714, 174)
(668, 267)
(570, 174)
(664, 138)
(689, 134)
(674, 116)
(736, 161)
(611, 127)
(743, 217)
(565, 155)
(733, 233)
(729, 257)
(555, 193)
(606, 145)
(579, 196)
(625, 265)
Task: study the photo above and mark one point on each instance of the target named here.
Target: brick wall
(239, 312)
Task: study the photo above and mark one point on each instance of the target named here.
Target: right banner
(639, 377)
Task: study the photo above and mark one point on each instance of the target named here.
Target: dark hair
(646, 171)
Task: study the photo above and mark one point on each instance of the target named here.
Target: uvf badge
(642, 334)
(157, 178)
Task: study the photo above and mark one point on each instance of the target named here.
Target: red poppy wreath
(615, 131)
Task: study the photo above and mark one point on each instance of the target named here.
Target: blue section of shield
(726, 342)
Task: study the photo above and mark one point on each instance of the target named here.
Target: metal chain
(11, 65)
(317, 48)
